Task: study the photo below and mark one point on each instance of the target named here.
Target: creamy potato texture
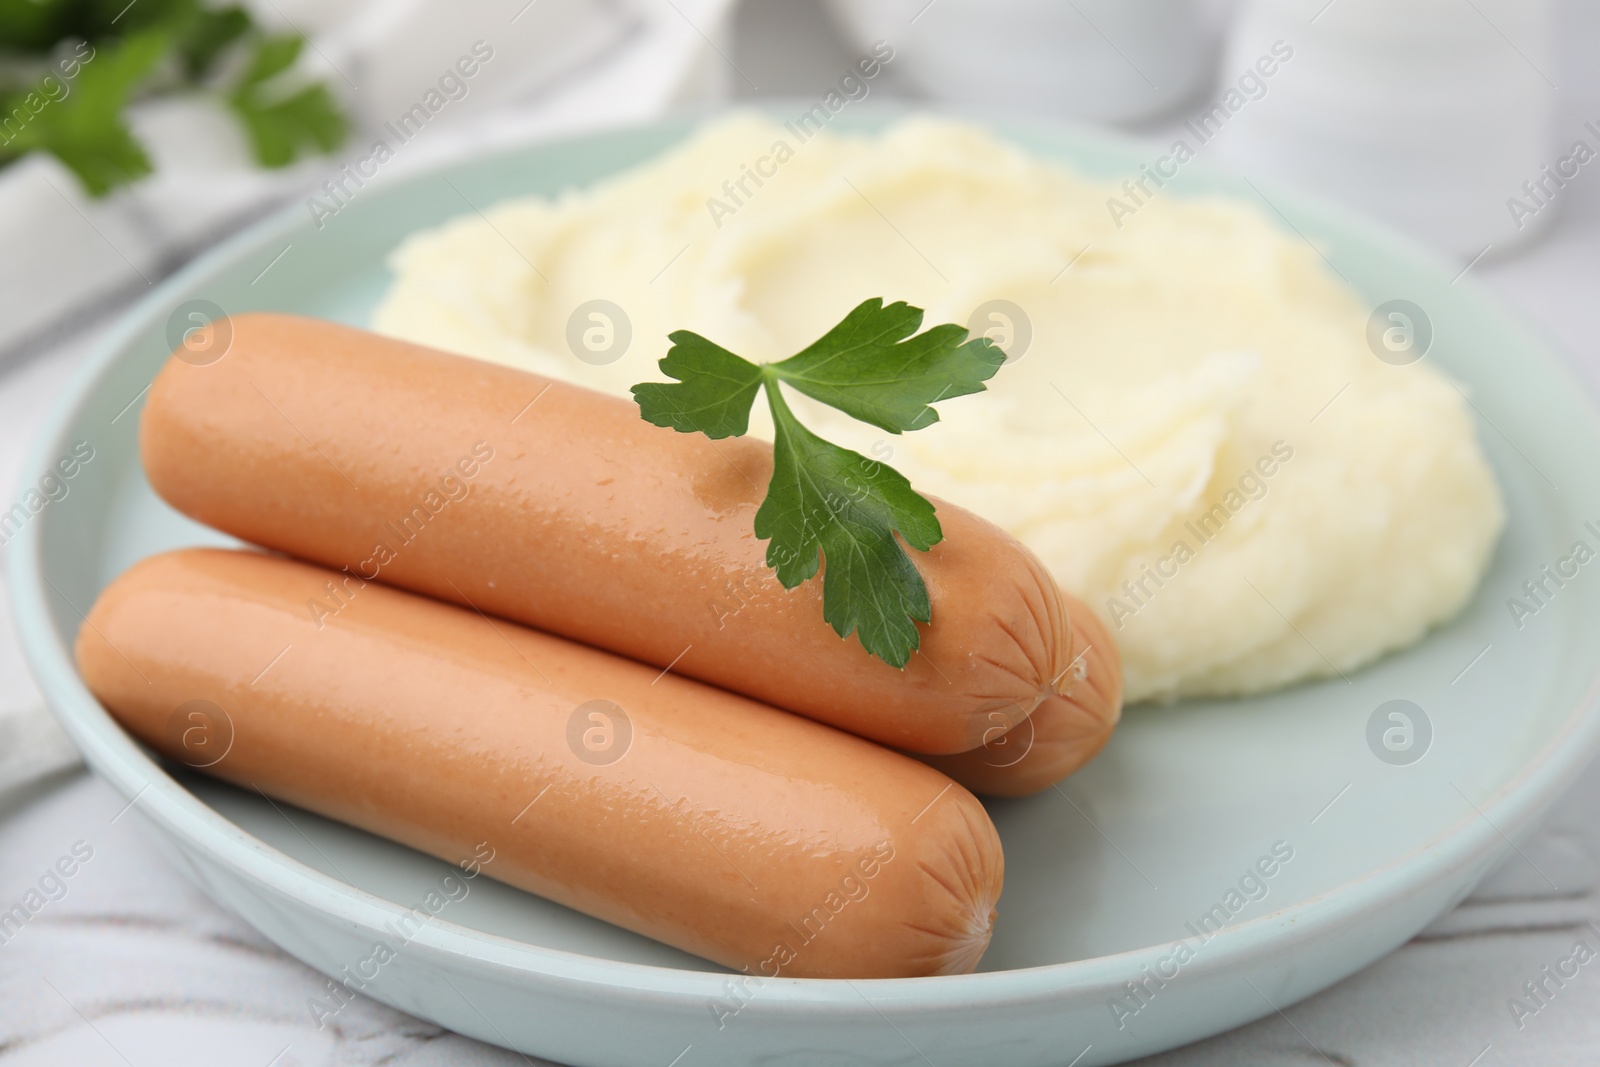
(1196, 440)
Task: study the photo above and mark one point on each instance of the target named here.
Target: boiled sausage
(1062, 735)
(561, 508)
(747, 835)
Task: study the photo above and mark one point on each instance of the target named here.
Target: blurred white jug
(1106, 60)
(1434, 115)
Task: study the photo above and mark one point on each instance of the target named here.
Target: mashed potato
(1196, 439)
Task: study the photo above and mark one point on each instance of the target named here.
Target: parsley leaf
(85, 129)
(40, 26)
(827, 498)
(111, 54)
(280, 126)
(827, 502)
(272, 56)
(30, 26)
(206, 37)
(715, 392)
(871, 368)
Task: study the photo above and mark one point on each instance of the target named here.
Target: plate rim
(113, 754)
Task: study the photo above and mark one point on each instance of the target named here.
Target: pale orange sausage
(752, 837)
(1061, 736)
(563, 509)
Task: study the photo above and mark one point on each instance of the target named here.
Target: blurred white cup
(1105, 60)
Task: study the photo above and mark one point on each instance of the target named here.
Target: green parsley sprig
(70, 69)
(824, 501)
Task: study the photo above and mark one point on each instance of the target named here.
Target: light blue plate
(1103, 877)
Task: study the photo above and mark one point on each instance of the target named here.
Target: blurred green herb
(69, 69)
(826, 500)
(280, 126)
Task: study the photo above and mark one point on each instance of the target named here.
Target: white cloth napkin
(31, 744)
